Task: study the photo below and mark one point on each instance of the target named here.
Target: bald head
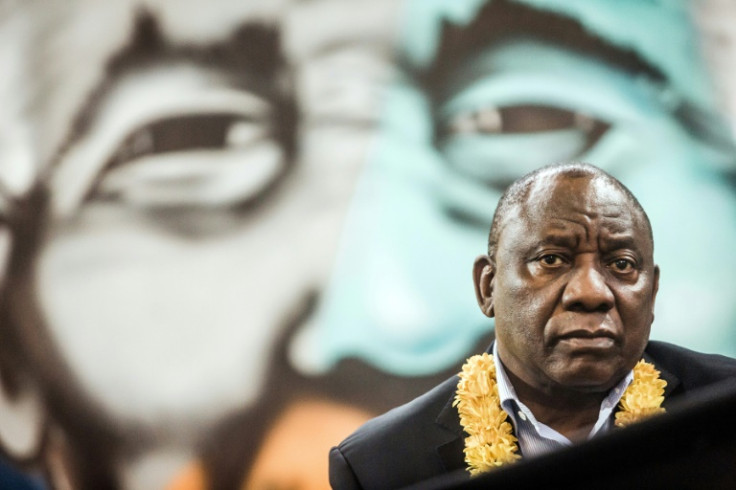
(521, 191)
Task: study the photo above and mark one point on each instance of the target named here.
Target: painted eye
(497, 145)
(196, 160)
(175, 137)
(521, 119)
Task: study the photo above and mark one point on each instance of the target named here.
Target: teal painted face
(452, 139)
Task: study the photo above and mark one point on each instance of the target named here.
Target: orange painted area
(295, 452)
(191, 478)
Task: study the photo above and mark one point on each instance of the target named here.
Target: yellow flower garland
(643, 397)
(491, 442)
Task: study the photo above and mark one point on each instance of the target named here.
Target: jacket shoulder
(692, 369)
(399, 447)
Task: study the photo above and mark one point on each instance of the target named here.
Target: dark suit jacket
(423, 439)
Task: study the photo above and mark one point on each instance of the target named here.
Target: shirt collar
(515, 408)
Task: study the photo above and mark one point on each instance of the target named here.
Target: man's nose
(587, 290)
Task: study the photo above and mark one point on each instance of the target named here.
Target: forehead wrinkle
(583, 224)
(608, 236)
(530, 196)
(592, 223)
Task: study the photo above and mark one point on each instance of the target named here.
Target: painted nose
(587, 290)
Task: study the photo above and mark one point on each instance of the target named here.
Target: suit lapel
(672, 381)
(450, 443)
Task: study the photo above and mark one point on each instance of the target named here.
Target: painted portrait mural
(235, 230)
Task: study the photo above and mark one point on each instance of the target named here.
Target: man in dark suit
(571, 281)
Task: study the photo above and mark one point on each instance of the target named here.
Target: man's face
(574, 285)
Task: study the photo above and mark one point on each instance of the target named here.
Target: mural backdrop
(234, 230)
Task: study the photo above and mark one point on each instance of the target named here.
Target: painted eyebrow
(502, 20)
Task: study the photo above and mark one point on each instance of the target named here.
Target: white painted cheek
(162, 331)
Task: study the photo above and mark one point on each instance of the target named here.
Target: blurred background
(232, 231)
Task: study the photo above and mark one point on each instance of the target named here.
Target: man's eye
(622, 265)
(551, 260)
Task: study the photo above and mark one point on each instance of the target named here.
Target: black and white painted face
(171, 213)
(184, 234)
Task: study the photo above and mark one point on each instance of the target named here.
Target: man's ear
(484, 274)
(655, 288)
(22, 420)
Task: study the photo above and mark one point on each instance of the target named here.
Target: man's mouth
(588, 340)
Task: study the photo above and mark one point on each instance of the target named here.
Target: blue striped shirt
(536, 438)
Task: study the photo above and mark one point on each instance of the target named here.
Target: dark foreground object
(693, 446)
